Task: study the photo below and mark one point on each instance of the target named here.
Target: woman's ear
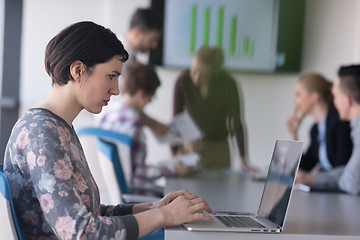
(315, 96)
(77, 69)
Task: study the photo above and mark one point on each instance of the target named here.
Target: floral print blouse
(54, 193)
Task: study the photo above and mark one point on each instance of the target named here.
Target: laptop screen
(280, 180)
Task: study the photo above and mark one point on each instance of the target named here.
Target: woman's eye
(112, 76)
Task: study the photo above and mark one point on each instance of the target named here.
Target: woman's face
(304, 100)
(99, 84)
(199, 72)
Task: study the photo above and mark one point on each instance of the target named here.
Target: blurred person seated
(124, 114)
(346, 91)
(330, 142)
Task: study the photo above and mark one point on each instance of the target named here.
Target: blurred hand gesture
(293, 122)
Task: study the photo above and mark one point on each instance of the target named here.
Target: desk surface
(310, 215)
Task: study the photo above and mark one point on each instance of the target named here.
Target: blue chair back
(107, 147)
(113, 170)
(111, 151)
(102, 133)
(10, 227)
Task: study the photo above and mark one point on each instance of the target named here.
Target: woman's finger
(200, 204)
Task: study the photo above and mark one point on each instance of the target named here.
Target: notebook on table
(275, 198)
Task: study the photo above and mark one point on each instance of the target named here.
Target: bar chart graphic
(246, 30)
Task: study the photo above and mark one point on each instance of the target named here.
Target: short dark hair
(147, 19)
(140, 77)
(85, 41)
(350, 81)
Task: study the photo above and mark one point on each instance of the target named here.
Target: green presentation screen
(246, 30)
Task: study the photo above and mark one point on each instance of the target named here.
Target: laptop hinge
(268, 223)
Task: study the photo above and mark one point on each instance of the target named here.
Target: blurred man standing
(144, 34)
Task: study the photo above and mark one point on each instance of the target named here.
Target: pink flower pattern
(62, 170)
(80, 182)
(65, 227)
(85, 199)
(91, 226)
(23, 139)
(63, 193)
(106, 220)
(30, 158)
(46, 202)
(56, 195)
(41, 160)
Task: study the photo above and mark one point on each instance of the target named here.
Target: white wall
(43, 19)
(331, 38)
(331, 35)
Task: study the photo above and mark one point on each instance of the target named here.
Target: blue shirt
(323, 157)
(346, 178)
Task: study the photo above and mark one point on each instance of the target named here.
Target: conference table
(311, 215)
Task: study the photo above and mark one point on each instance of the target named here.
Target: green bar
(232, 35)
(251, 48)
(206, 26)
(220, 26)
(192, 29)
(246, 46)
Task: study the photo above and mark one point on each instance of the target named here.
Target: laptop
(275, 198)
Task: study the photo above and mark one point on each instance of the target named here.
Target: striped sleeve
(350, 179)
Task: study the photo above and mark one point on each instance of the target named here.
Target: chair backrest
(110, 150)
(9, 227)
(110, 162)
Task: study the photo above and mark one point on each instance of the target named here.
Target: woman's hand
(186, 208)
(174, 209)
(181, 169)
(293, 122)
(306, 178)
(169, 198)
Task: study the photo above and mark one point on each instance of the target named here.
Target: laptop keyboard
(238, 221)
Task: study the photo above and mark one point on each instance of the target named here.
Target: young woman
(211, 97)
(331, 143)
(54, 193)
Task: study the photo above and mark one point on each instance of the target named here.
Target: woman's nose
(115, 90)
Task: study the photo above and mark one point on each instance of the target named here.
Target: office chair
(9, 227)
(112, 166)
(110, 159)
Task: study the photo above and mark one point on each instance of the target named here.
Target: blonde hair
(213, 57)
(314, 82)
